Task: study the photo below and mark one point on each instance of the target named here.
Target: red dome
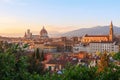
(43, 31)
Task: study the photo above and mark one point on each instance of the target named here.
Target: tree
(12, 69)
(37, 52)
(98, 53)
(117, 56)
(17, 50)
(4, 46)
(103, 63)
(111, 73)
(106, 69)
(7, 65)
(35, 61)
(42, 56)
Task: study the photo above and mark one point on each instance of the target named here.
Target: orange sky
(58, 16)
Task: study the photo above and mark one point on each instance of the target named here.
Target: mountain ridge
(98, 30)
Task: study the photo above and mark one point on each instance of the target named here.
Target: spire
(111, 25)
(25, 35)
(43, 27)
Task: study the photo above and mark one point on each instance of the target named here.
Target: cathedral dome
(43, 33)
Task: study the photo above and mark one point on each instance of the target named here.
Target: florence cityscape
(59, 40)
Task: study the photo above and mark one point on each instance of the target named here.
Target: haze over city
(60, 39)
(58, 16)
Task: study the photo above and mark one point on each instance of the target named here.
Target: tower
(111, 33)
(25, 35)
(28, 34)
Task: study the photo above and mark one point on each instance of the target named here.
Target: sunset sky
(16, 16)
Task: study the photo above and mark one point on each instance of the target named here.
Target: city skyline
(57, 16)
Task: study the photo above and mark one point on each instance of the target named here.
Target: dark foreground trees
(35, 62)
(12, 68)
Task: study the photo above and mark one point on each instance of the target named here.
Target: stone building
(94, 47)
(99, 38)
(28, 34)
(43, 34)
(103, 46)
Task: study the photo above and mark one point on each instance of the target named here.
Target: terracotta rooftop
(62, 61)
(96, 35)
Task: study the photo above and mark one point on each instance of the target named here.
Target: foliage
(35, 62)
(79, 73)
(85, 73)
(17, 49)
(111, 73)
(7, 63)
(13, 68)
(112, 54)
(4, 46)
(98, 53)
(104, 62)
(117, 56)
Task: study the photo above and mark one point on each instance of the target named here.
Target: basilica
(43, 34)
(99, 38)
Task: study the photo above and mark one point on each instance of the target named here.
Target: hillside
(98, 30)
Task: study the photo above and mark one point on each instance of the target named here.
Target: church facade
(99, 38)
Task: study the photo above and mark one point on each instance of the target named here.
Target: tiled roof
(62, 61)
(96, 35)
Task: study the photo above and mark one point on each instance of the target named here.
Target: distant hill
(99, 30)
